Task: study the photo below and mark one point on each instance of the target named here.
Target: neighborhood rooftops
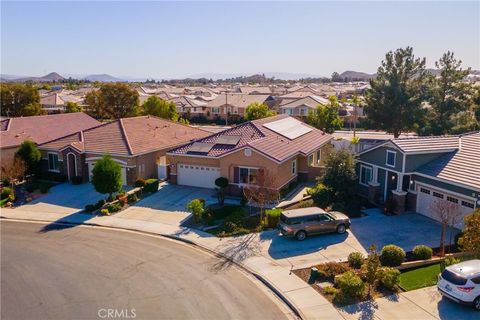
(256, 135)
(129, 136)
(41, 129)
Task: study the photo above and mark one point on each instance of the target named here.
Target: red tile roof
(258, 137)
(41, 129)
(129, 136)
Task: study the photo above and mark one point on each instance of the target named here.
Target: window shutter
(236, 174)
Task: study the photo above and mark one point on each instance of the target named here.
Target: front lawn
(420, 277)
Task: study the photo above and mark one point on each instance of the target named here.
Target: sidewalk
(243, 251)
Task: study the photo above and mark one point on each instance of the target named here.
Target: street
(92, 273)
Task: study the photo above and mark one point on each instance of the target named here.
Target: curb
(259, 277)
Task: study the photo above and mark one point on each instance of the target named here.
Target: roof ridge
(125, 136)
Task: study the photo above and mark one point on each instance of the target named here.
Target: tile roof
(41, 129)
(239, 100)
(461, 166)
(427, 144)
(258, 137)
(129, 136)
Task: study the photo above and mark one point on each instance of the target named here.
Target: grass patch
(420, 277)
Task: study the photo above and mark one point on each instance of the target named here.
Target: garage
(426, 196)
(90, 170)
(197, 176)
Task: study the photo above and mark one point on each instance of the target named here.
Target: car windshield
(453, 278)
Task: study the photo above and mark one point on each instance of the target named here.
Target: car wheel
(476, 304)
(341, 229)
(301, 235)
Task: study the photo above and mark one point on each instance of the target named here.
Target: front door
(71, 166)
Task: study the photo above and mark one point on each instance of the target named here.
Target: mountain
(276, 75)
(356, 75)
(52, 76)
(102, 78)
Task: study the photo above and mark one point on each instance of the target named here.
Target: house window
(391, 158)
(294, 167)
(365, 175)
(216, 110)
(53, 163)
(310, 160)
(319, 157)
(248, 175)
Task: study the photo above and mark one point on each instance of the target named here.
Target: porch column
(374, 187)
(399, 182)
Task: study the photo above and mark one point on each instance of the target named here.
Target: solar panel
(230, 140)
(290, 128)
(201, 147)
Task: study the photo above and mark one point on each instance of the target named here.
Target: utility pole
(226, 106)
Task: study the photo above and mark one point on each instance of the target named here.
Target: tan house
(285, 147)
(138, 144)
(40, 129)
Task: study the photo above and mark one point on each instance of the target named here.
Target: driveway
(76, 273)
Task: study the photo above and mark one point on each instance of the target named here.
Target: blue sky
(179, 39)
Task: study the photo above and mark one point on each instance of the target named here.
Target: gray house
(416, 171)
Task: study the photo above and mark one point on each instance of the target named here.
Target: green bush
(221, 182)
(44, 187)
(330, 290)
(350, 285)
(151, 185)
(139, 183)
(422, 252)
(226, 211)
(196, 207)
(114, 207)
(448, 261)
(31, 186)
(321, 195)
(132, 198)
(273, 216)
(7, 193)
(355, 260)
(328, 271)
(90, 208)
(389, 278)
(392, 255)
(104, 212)
(100, 203)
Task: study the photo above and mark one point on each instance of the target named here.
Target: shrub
(196, 207)
(139, 183)
(457, 237)
(328, 270)
(132, 198)
(330, 290)
(389, 278)
(392, 255)
(100, 203)
(321, 195)
(355, 260)
(90, 208)
(104, 212)
(350, 285)
(151, 185)
(225, 211)
(77, 180)
(7, 193)
(448, 261)
(422, 252)
(114, 207)
(273, 215)
(43, 187)
(31, 186)
(221, 182)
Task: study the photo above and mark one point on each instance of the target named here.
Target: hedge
(151, 185)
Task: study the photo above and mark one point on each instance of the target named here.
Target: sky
(180, 39)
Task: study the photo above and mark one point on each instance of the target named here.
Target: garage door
(90, 170)
(197, 176)
(426, 196)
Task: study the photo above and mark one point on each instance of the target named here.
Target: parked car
(304, 222)
(461, 283)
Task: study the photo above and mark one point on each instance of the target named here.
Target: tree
(256, 111)
(447, 213)
(222, 184)
(448, 95)
(371, 268)
(470, 241)
(19, 100)
(264, 191)
(394, 102)
(326, 118)
(196, 207)
(107, 176)
(160, 108)
(113, 101)
(71, 107)
(29, 153)
(340, 174)
(336, 77)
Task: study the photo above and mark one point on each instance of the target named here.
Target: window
(452, 199)
(323, 217)
(248, 175)
(310, 160)
(425, 190)
(365, 175)
(391, 158)
(468, 204)
(294, 167)
(319, 157)
(216, 110)
(438, 195)
(53, 163)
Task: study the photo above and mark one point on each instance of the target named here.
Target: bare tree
(448, 214)
(264, 191)
(12, 171)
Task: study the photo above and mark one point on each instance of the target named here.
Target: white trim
(429, 186)
(394, 158)
(360, 176)
(404, 162)
(388, 143)
(385, 187)
(68, 165)
(446, 181)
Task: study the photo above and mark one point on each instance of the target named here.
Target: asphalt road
(85, 273)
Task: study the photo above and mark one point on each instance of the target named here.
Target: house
(233, 105)
(301, 107)
(284, 146)
(343, 139)
(138, 144)
(40, 129)
(416, 171)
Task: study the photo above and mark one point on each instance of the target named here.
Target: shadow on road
(67, 222)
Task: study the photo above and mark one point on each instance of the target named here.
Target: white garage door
(197, 176)
(90, 170)
(426, 196)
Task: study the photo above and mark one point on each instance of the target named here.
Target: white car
(461, 283)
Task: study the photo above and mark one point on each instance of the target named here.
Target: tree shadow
(67, 222)
(237, 250)
(365, 309)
